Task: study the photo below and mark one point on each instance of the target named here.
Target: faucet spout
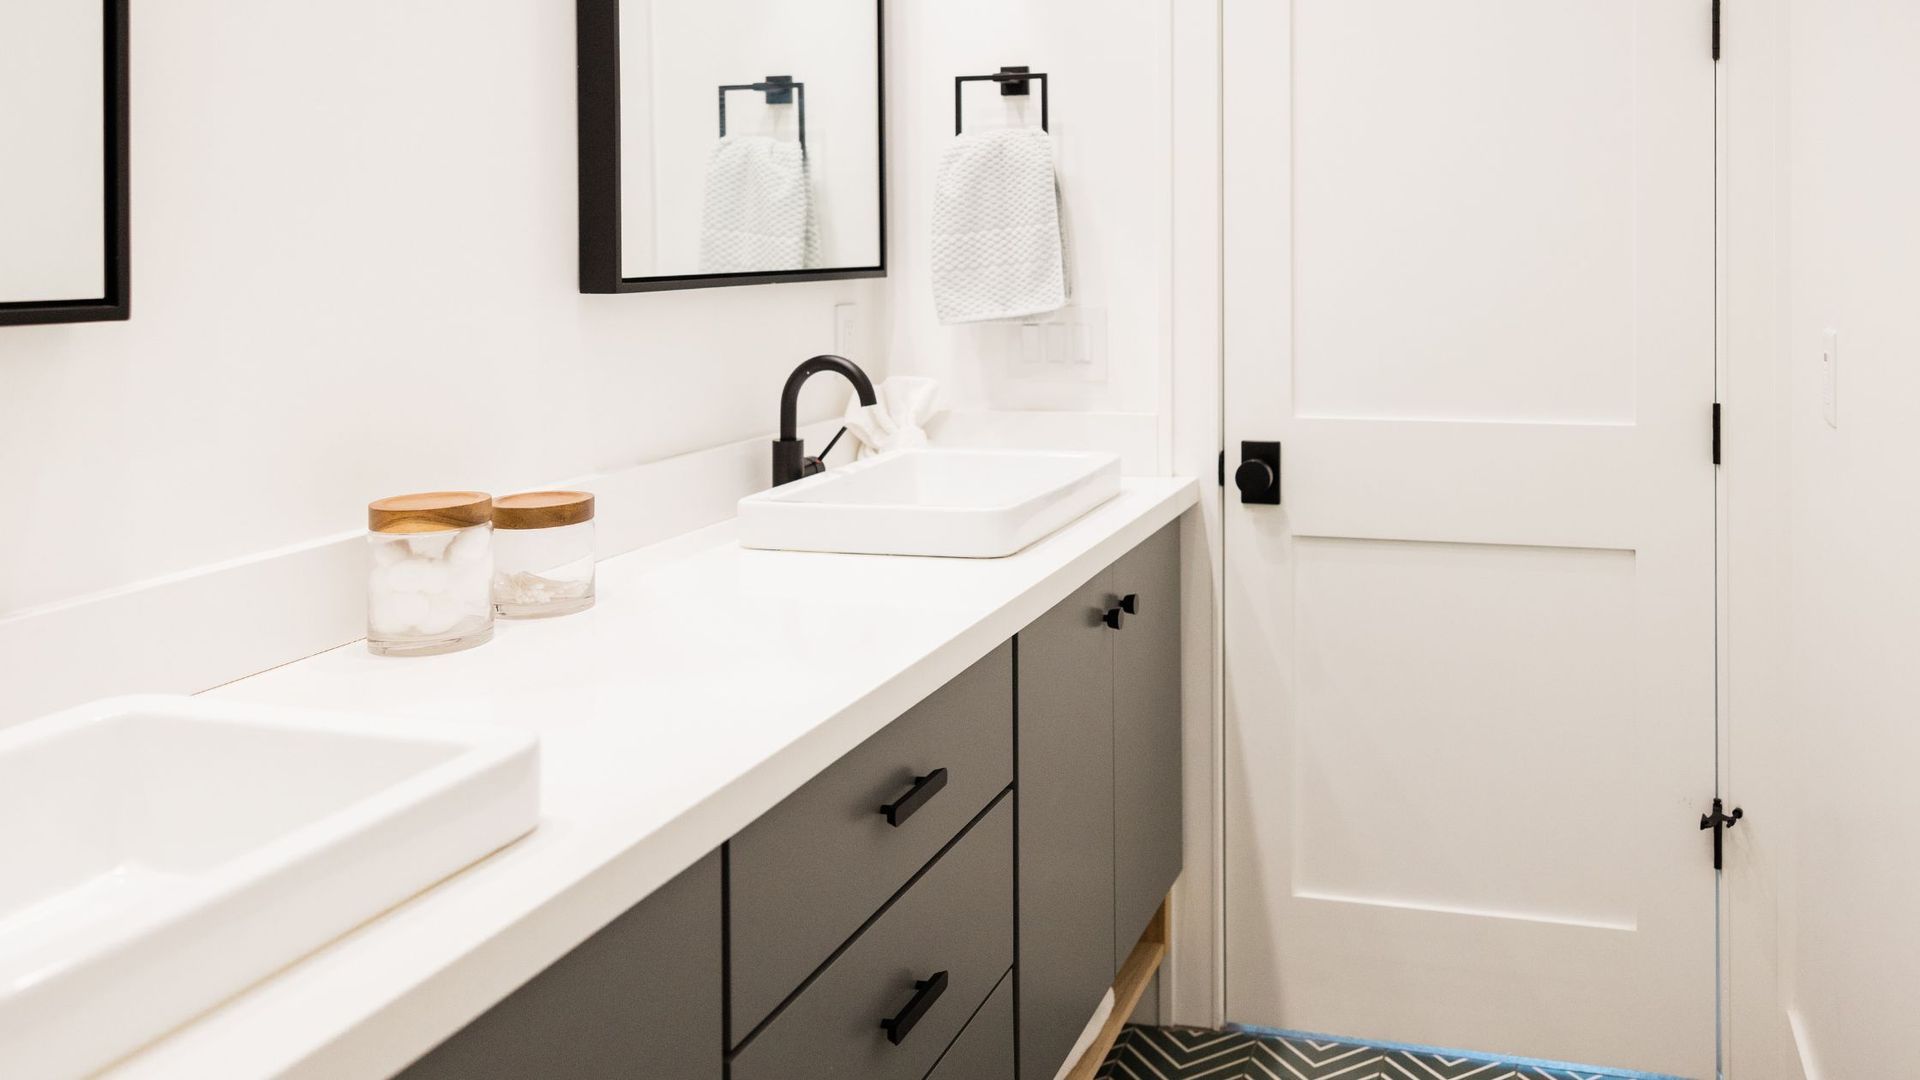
(790, 462)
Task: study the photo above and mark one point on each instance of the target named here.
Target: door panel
(1464, 209)
(1469, 661)
(1438, 617)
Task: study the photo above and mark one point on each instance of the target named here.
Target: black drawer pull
(1130, 603)
(924, 788)
(1113, 618)
(925, 993)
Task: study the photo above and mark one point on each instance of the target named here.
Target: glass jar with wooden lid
(430, 575)
(543, 555)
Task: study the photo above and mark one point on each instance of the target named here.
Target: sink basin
(159, 854)
(979, 504)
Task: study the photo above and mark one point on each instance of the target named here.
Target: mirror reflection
(53, 168)
(749, 136)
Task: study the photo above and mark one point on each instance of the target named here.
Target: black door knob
(1258, 476)
(1253, 478)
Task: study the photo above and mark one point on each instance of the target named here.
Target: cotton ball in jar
(396, 613)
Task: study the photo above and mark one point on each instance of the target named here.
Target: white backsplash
(190, 632)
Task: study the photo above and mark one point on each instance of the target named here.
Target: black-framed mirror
(63, 161)
(730, 142)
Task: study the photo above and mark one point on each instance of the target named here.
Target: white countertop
(708, 684)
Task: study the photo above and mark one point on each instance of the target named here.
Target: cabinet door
(639, 998)
(1063, 769)
(1146, 735)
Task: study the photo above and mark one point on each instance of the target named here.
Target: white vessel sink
(159, 854)
(965, 503)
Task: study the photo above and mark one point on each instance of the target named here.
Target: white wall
(1850, 940)
(1110, 66)
(354, 274)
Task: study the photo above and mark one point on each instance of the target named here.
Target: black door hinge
(1716, 433)
(1716, 31)
(1720, 821)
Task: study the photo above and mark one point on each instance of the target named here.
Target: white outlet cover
(846, 331)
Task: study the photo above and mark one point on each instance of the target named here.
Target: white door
(1470, 657)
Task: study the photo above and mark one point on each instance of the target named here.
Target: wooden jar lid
(542, 509)
(429, 511)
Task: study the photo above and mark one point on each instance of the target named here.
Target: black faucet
(790, 460)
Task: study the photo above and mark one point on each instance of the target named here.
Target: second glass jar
(543, 554)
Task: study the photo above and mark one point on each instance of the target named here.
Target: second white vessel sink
(963, 503)
(159, 854)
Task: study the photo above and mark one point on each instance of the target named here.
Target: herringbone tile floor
(1150, 1053)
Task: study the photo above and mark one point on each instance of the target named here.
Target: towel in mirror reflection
(759, 207)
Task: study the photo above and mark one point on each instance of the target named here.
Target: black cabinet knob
(1112, 618)
(1130, 603)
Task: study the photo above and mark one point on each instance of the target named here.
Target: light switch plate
(1069, 345)
(1830, 377)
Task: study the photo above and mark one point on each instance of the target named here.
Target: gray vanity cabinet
(1063, 764)
(1146, 736)
(1096, 724)
(642, 997)
(948, 901)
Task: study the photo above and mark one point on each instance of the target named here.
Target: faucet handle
(817, 463)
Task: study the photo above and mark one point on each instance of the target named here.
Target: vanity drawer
(926, 963)
(984, 1051)
(811, 871)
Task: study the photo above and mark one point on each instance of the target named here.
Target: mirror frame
(597, 28)
(115, 304)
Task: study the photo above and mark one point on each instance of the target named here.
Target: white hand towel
(893, 423)
(759, 214)
(997, 248)
(1085, 1041)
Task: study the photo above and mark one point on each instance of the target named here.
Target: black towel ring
(1014, 82)
(780, 90)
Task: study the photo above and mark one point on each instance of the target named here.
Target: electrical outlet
(847, 339)
(1830, 377)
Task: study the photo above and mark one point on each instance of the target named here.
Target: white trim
(1195, 992)
(1757, 1040)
